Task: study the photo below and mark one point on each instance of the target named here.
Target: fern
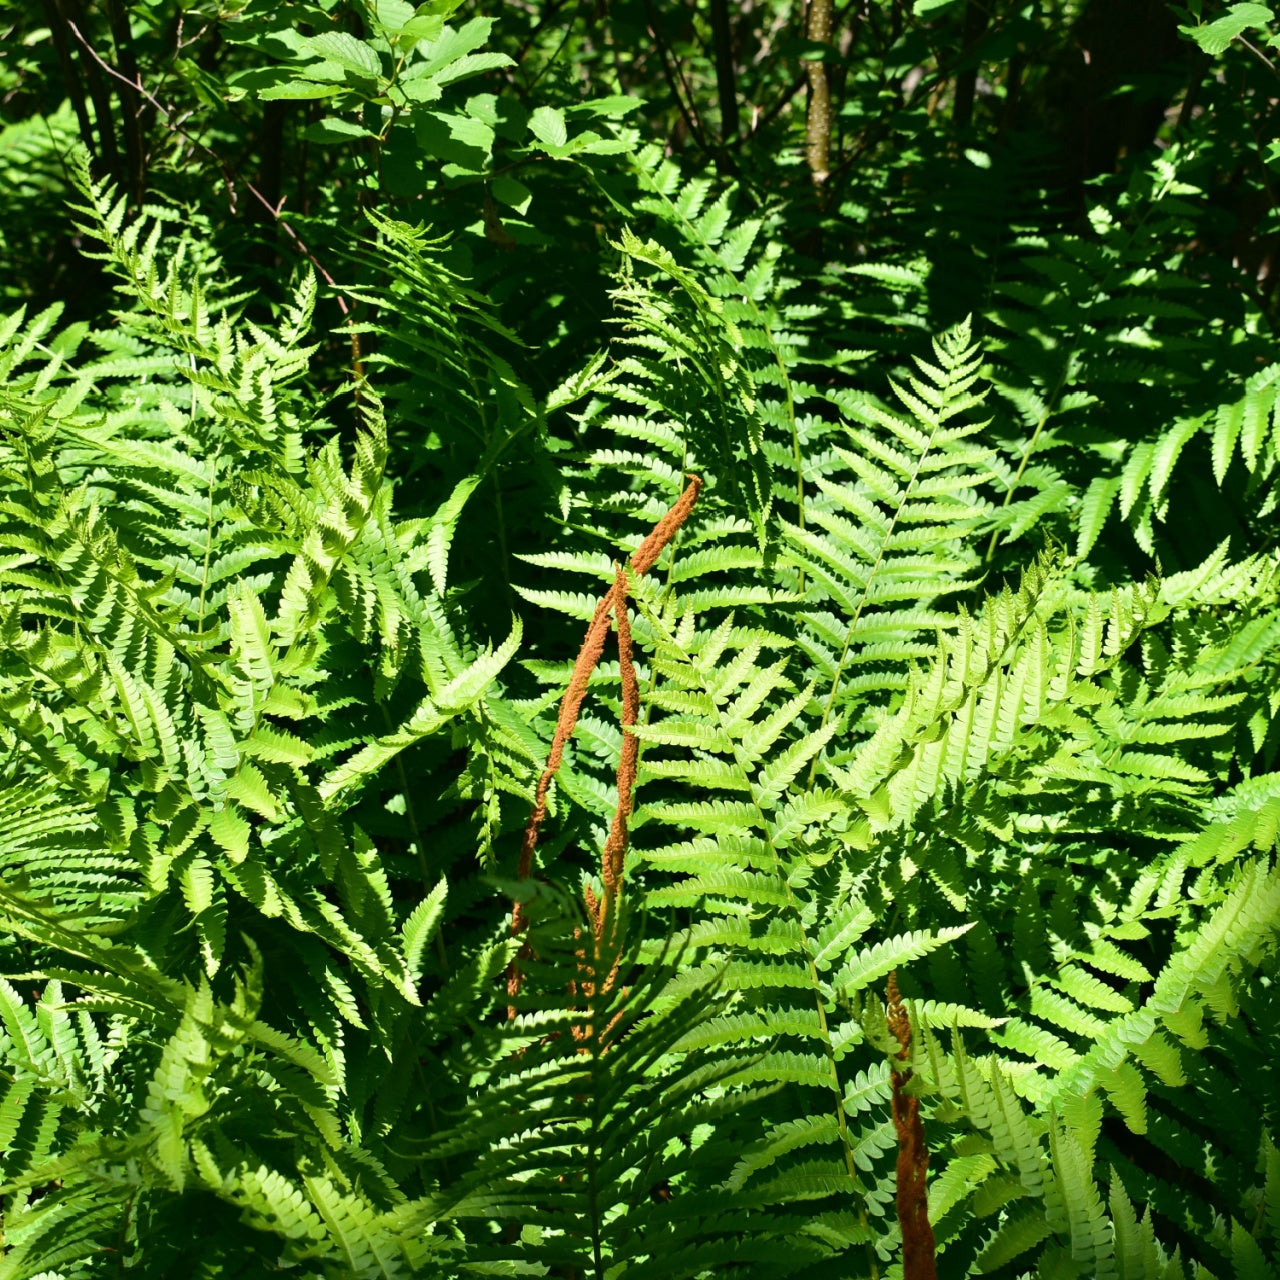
(892, 534)
(267, 747)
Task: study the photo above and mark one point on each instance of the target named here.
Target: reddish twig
(918, 1247)
(135, 85)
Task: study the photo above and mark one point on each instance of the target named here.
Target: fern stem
(646, 702)
(842, 1121)
(501, 527)
(126, 1222)
(796, 454)
(431, 1113)
(593, 1182)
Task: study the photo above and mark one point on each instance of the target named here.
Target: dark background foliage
(968, 143)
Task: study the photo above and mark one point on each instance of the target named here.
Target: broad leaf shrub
(917, 810)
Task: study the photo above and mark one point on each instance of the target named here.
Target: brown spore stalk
(918, 1247)
(613, 602)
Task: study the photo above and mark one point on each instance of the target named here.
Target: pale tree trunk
(818, 127)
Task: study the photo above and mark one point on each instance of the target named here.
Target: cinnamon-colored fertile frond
(918, 1247)
(614, 855)
(585, 987)
(614, 601)
(566, 722)
(650, 549)
(899, 1023)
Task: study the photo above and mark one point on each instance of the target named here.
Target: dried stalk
(913, 1154)
(566, 722)
(615, 602)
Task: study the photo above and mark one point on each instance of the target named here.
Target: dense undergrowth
(893, 401)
